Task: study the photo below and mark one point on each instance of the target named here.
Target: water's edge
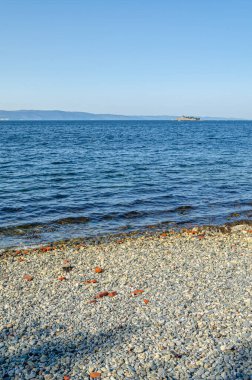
(119, 238)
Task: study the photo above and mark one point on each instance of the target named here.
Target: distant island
(188, 118)
(67, 115)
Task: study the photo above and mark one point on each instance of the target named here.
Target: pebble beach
(172, 305)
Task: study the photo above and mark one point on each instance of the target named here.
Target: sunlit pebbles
(172, 305)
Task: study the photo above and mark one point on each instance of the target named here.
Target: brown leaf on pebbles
(61, 278)
(90, 282)
(112, 294)
(27, 277)
(164, 234)
(119, 241)
(137, 292)
(45, 249)
(95, 375)
(66, 377)
(146, 301)
(98, 270)
(200, 237)
(20, 259)
(102, 294)
(92, 301)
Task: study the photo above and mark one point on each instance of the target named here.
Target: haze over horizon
(133, 58)
(18, 115)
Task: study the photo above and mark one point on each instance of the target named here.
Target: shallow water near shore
(62, 180)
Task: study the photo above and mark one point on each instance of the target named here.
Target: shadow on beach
(59, 356)
(53, 352)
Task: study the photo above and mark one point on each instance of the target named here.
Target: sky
(132, 57)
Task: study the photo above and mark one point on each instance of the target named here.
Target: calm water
(69, 179)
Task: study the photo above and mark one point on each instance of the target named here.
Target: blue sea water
(85, 178)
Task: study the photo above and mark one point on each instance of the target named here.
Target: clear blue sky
(127, 56)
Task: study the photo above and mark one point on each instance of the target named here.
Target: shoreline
(167, 305)
(148, 231)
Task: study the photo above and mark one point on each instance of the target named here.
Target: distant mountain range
(66, 115)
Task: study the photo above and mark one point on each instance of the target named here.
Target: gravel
(190, 318)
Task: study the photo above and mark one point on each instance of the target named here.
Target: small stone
(67, 267)
(43, 358)
(247, 302)
(161, 373)
(139, 349)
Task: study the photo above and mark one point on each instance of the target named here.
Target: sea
(69, 179)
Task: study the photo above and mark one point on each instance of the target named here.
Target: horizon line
(122, 115)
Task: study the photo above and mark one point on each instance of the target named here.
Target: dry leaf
(27, 277)
(112, 294)
(95, 375)
(92, 301)
(90, 282)
(102, 294)
(164, 234)
(137, 291)
(98, 270)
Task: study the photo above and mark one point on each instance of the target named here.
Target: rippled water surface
(67, 179)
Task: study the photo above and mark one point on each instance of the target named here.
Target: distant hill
(66, 115)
